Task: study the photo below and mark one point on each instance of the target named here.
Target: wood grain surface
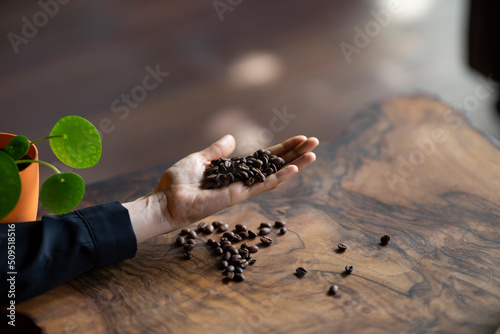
(409, 167)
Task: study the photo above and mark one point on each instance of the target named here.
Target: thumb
(221, 148)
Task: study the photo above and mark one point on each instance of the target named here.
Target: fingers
(303, 148)
(304, 160)
(287, 145)
(272, 181)
(221, 148)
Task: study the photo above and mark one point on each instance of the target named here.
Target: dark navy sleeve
(59, 247)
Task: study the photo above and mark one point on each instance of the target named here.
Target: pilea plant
(75, 141)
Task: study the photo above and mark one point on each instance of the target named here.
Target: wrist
(146, 217)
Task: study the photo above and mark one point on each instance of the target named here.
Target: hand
(180, 200)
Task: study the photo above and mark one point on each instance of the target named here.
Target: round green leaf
(10, 184)
(80, 145)
(62, 192)
(17, 147)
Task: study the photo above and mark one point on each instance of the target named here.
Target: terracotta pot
(27, 206)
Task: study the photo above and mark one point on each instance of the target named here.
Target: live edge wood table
(409, 167)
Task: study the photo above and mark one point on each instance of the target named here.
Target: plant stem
(38, 162)
(45, 138)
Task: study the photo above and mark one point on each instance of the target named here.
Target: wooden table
(409, 167)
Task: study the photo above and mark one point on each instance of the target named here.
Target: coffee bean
(191, 241)
(229, 276)
(235, 257)
(233, 250)
(188, 247)
(242, 263)
(266, 241)
(223, 228)
(243, 176)
(268, 171)
(237, 238)
(230, 268)
(279, 224)
(225, 242)
(201, 226)
(216, 224)
(264, 231)
(252, 262)
(248, 256)
(228, 235)
(250, 181)
(238, 278)
(349, 269)
(253, 249)
(240, 227)
(238, 270)
(300, 272)
(333, 289)
(252, 234)
(223, 265)
(342, 247)
(216, 244)
(180, 241)
(243, 235)
(226, 246)
(257, 164)
(265, 225)
(260, 177)
(210, 242)
(244, 245)
(283, 230)
(184, 231)
(385, 239)
(227, 256)
(188, 256)
(208, 229)
(192, 235)
(218, 251)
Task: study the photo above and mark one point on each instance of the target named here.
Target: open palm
(180, 190)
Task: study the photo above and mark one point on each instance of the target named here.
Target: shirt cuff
(111, 231)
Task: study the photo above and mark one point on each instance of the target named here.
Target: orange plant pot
(27, 206)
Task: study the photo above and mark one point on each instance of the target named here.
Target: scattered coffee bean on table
(191, 241)
(201, 226)
(253, 249)
(252, 261)
(342, 247)
(218, 251)
(238, 278)
(188, 256)
(192, 235)
(349, 269)
(266, 241)
(216, 224)
(240, 227)
(385, 239)
(250, 169)
(265, 225)
(279, 224)
(333, 289)
(208, 229)
(188, 247)
(283, 230)
(300, 272)
(223, 228)
(252, 234)
(180, 241)
(264, 231)
(184, 231)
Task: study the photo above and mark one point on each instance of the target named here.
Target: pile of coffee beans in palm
(256, 167)
(234, 259)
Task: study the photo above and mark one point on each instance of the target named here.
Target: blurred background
(163, 79)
